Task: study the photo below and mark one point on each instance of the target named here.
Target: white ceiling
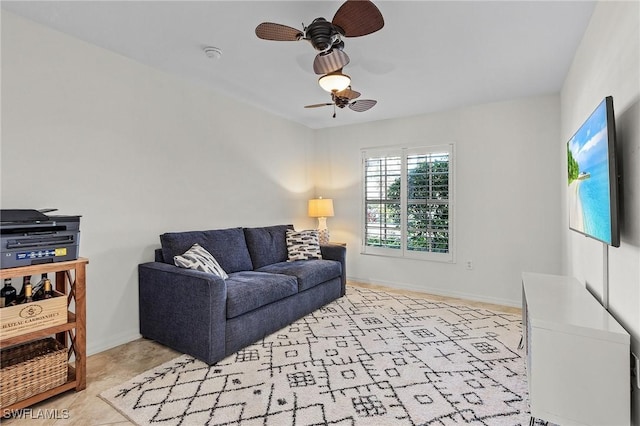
(430, 55)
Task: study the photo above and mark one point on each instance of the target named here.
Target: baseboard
(102, 345)
(439, 292)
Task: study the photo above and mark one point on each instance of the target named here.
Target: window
(408, 209)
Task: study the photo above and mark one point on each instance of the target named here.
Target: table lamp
(321, 208)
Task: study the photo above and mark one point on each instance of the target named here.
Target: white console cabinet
(577, 354)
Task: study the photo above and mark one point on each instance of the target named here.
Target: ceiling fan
(355, 18)
(345, 98)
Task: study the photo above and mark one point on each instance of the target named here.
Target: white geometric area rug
(370, 358)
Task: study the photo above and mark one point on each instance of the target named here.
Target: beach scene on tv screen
(588, 173)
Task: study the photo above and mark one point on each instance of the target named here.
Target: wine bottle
(38, 289)
(25, 280)
(48, 291)
(28, 291)
(7, 294)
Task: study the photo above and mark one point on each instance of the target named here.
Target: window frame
(404, 153)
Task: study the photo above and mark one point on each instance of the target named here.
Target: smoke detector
(212, 52)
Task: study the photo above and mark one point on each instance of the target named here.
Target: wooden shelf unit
(70, 279)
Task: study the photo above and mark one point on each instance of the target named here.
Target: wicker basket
(30, 369)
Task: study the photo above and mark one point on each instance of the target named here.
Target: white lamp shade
(321, 207)
(334, 82)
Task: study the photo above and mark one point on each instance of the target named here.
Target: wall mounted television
(593, 177)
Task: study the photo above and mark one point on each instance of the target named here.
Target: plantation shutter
(382, 201)
(408, 202)
(428, 202)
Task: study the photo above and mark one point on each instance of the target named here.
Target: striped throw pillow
(303, 245)
(198, 258)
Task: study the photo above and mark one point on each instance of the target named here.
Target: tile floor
(114, 366)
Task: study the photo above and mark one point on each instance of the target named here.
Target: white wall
(137, 153)
(608, 63)
(507, 217)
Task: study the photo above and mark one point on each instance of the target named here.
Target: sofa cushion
(201, 260)
(228, 246)
(267, 245)
(249, 290)
(303, 245)
(309, 273)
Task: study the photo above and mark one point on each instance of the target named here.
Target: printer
(31, 237)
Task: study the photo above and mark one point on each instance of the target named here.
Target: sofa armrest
(183, 309)
(337, 252)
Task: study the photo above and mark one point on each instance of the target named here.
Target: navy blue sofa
(209, 318)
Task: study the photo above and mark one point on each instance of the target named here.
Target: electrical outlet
(468, 264)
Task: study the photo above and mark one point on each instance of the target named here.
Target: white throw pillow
(200, 259)
(303, 245)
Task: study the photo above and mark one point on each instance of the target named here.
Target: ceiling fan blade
(318, 105)
(348, 93)
(277, 32)
(328, 62)
(363, 105)
(358, 18)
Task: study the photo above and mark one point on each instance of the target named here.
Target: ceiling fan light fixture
(334, 81)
